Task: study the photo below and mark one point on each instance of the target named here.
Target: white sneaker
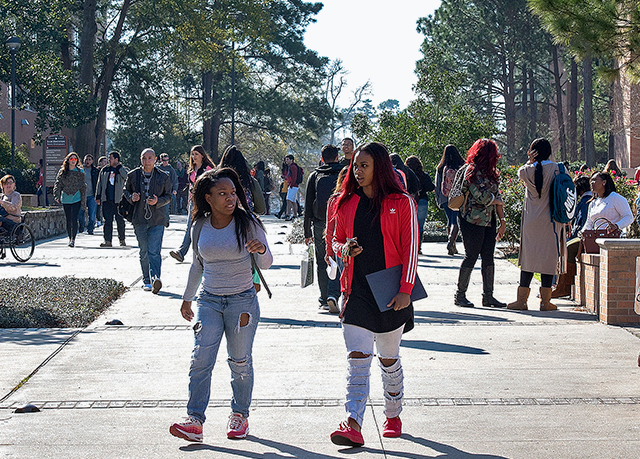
(333, 305)
(146, 287)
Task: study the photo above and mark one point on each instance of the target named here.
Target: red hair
(483, 157)
(385, 180)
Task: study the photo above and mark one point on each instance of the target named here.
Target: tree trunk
(534, 106)
(510, 110)
(612, 121)
(525, 99)
(207, 112)
(573, 112)
(559, 111)
(85, 134)
(589, 144)
(109, 71)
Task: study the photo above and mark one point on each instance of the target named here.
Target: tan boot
(521, 303)
(545, 300)
(565, 281)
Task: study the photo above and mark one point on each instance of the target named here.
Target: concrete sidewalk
(479, 383)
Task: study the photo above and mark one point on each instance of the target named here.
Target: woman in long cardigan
(541, 239)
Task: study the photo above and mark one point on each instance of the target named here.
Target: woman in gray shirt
(225, 238)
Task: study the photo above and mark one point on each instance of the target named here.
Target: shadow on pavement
(300, 323)
(441, 347)
(446, 451)
(33, 263)
(559, 314)
(287, 451)
(453, 317)
(37, 336)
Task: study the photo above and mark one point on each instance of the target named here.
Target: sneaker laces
(191, 420)
(235, 421)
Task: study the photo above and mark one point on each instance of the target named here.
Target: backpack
(325, 184)
(457, 199)
(562, 197)
(300, 175)
(448, 176)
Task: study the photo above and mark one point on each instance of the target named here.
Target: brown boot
(545, 300)
(521, 303)
(563, 287)
(565, 281)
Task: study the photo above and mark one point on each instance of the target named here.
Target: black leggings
(526, 276)
(71, 211)
(477, 240)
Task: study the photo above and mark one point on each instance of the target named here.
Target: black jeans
(71, 211)
(477, 240)
(110, 210)
(328, 288)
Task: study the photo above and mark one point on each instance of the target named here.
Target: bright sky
(376, 40)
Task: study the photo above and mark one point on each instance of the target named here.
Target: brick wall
(618, 280)
(588, 282)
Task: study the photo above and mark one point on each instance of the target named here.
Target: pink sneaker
(190, 429)
(346, 436)
(392, 427)
(238, 426)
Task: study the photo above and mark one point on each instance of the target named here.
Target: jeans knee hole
(245, 319)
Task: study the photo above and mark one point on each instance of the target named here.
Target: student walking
(446, 170)
(199, 163)
(226, 238)
(376, 227)
(70, 190)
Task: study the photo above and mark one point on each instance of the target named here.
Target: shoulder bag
(588, 237)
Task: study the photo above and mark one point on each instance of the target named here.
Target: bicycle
(20, 242)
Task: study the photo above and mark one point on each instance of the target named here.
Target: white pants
(358, 339)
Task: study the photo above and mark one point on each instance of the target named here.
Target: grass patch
(55, 302)
(513, 259)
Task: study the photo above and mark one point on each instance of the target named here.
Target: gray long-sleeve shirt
(222, 268)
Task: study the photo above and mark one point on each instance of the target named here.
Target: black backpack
(300, 176)
(325, 184)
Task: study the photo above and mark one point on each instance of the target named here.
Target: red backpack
(448, 176)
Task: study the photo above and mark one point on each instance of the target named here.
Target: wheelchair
(19, 241)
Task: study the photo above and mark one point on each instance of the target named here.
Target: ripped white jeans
(358, 339)
(237, 317)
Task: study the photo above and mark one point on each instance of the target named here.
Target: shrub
(55, 302)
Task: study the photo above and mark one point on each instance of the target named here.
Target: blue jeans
(218, 315)
(423, 210)
(91, 210)
(150, 243)
(328, 288)
(452, 216)
(186, 242)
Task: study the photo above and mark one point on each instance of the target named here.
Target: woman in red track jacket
(376, 227)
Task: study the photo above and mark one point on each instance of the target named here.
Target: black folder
(385, 285)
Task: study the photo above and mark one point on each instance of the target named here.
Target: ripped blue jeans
(237, 317)
(358, 339)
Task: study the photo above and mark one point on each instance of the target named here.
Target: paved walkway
(479, 383)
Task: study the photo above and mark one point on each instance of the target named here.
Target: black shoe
(488, 301)
(460, 299)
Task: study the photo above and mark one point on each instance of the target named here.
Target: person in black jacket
(148, 189)
(320, 186)
(413, 184)
(426, 186)
(91, 179)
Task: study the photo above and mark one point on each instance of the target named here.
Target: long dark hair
(232, 157)
(414, 163)
(543, 148)
(385, 180)
(206, 161)
(243, 217)
(450, 158)
(65, 163)
(483, 157)
(609, 185)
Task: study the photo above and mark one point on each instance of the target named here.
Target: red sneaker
(346, 436)
(392, 427)
(190, 429)
(238, 426)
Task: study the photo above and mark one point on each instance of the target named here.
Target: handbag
(457, 198)
(306, 267)
(588, 237)
(125, 209)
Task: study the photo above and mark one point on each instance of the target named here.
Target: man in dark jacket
(148, 189)
(109, 193)
(320, 186)
(91, 179)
